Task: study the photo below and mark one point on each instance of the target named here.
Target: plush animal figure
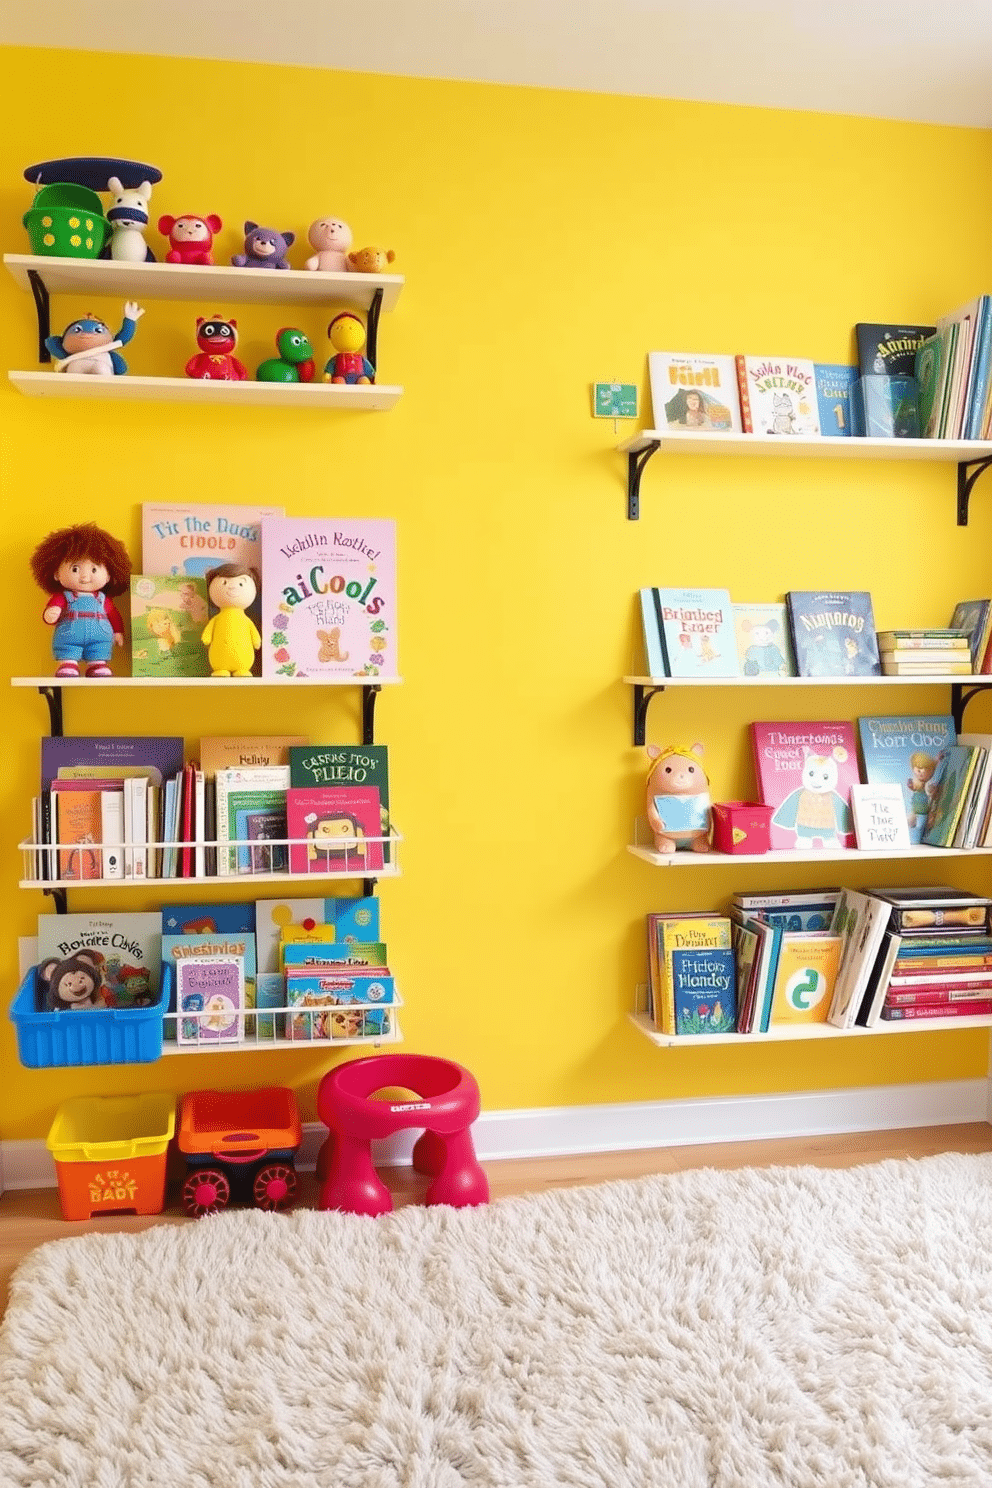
(231, 637)
(346, 334)
(88, 345)
(190, 238)
(215, 361)
(330, 238)
(295, 360)
(370, 260)
(815, 811)
(128, 218)
(264, 248)
(70, 984)
(678, 798)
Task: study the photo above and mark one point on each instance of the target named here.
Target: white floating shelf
(374, 398)
(99, 683)
(775, 858)
(787, 1033)
(932, 680)
(301, 880)
(280, 1045)
(813, 445)
(213, 286)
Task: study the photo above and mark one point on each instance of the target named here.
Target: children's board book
(690, 632)
(778, 395)
(693, 391)
(182, 946)
(210, 999)
(126, 949)
(674, 933)
(167, 618)
(833, 633)
(804, 978)
(905, 751)
(879, 817)
(353, 918)
(833, 398)
(332, 829)
(860, 920)
(806, 770)
(889, 350)
(972, 616)
(110, 757)
(764, 644)
(245, 751)
(950, 789)
(345, 764)
(329, 586)
(189, 540)
(354, 1005)
(704, 988)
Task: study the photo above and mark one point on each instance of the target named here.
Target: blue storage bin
(91, 1036)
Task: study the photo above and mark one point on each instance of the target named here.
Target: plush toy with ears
(678, 798)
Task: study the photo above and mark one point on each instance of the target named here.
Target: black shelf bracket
(40, 291)
(968, 473)
(642, 698)
(61, 897)
(369, 693)
(372, 333)
(636, 461)
(961, 695)
(53, 697)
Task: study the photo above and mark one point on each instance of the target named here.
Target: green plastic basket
(67, 221)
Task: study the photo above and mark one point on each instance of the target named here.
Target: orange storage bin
(110, 1153)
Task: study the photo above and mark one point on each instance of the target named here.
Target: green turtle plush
(294, 362)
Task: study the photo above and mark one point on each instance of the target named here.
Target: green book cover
(167, 617)
(950, 787)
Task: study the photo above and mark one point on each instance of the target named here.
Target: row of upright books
(840, 956)
(811, 633)
(132, 807)
(301, 969)
(905, 381)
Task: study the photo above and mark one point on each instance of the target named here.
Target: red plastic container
(741, 827)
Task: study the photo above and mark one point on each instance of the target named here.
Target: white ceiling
(925, 60)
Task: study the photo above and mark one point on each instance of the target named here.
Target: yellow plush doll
(231, 637)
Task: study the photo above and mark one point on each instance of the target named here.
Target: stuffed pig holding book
(678, 798)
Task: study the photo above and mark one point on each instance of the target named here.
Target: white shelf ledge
(932, 680)
(811, 445)
(789, 1032)
(219, 284)
(102, 682)
(811, 855)
(374, 398)
(279, 1045)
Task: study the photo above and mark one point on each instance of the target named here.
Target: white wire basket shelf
(311, 1025)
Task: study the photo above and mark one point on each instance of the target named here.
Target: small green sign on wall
(614, 400)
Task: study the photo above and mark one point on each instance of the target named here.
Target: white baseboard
(562, 1130)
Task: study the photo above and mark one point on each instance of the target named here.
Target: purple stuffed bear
(264, 248)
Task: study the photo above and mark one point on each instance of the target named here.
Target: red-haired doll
(84, 566)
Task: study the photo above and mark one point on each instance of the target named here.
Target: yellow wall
(548, 240)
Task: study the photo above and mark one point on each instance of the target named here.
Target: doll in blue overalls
(81, 568)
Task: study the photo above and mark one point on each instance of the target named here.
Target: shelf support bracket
(61, 897)
(636, 461)
(968, 473)
(372, 329)
(961, 696)
(642, 698)
(40, 291)
(53, 697)
(369, 693)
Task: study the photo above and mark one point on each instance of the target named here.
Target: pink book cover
(329, 589)
(329, 827)
(806, 770)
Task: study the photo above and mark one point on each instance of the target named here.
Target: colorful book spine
(980, 1007)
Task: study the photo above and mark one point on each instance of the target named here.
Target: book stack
(924, 653)
(934, 959)
(952, 374)
(691, 973)
(787, 957)
(960, 808)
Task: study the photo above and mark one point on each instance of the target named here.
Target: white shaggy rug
(801, 1328)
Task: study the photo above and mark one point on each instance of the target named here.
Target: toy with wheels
(445, 1105)
(240, 1146)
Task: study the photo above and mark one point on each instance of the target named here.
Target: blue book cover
(833, 396)
(261, 827)
(354, 917)
(833, 633)
(704, 982)
(981, 357)
(887, 407)
(697, 632)
(209, 919)
(907, 750)
(801, 918)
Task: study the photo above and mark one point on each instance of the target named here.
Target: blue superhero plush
(88, 345)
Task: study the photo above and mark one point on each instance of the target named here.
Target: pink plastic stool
(448, 1104)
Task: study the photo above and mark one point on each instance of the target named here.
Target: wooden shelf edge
(850, 447)
(798, 1032)
(376, 398)
(103, 682)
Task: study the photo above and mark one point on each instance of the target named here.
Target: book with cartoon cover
(693, 391)
(833, 633)
(778, 395)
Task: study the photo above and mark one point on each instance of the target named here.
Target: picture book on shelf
(332, 829)
(804, 978)
(329, 587)
(764, 643)
(973, 616)
(833, 398)
(905, 750)
(861, 922)
(671, 934)
(951, 781)
(704, 989)
(79, 821)
(886, 407)
(879, 816)
(245, 751)
(231, 918)
(833, 633)
(889, 350)
(167, 618)
(806, 770)
(110, 756)
(352, 918)
(690, 632)
(345, 764)
(210, 999)
(189, 540)
(126, 948)
(693, 391)
(778, 395)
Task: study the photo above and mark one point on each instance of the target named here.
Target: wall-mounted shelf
(963, 689)
(788, 1032)
(779, 857)
(374, 398)
(971, 456)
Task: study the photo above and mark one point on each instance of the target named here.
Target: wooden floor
(30, 1217)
